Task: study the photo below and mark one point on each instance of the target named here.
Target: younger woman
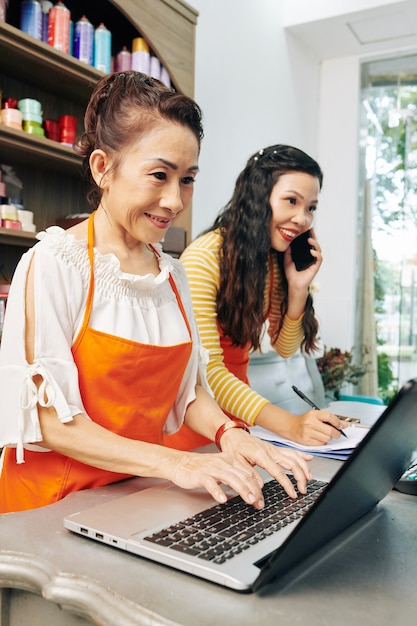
(242, 274)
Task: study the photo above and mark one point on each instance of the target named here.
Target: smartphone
(300, 251)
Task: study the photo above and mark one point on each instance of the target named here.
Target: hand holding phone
(300, 251)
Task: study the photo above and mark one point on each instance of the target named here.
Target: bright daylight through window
(388, 211)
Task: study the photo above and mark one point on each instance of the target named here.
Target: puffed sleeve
(58, 310)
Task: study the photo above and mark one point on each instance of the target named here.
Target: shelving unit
(36, 63)
(21, 147)
(16, 237)
(50, 172)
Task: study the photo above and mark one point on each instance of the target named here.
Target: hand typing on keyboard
(219, 533)
(235, 466)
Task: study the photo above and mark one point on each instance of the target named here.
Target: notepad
(339, 449)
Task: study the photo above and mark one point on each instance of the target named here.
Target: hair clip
(260, 153)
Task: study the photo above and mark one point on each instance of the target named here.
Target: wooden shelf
(21, 147)
(17, 237)
(168, 26)
(41, 65)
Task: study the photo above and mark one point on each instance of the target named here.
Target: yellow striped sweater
(201, 262)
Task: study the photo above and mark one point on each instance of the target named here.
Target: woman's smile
(288, 234)
(159, 222)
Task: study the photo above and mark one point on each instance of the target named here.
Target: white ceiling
(369, 32)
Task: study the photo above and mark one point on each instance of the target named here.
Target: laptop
(173, 526)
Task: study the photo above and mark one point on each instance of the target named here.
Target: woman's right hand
(313, 428)
(316, 428)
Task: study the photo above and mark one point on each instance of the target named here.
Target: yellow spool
(139, 45)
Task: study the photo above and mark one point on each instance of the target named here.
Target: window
(388, 218)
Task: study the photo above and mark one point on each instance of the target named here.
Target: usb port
(84, 531)
(99, 536)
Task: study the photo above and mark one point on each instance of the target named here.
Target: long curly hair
(246, 245)
(123, 107)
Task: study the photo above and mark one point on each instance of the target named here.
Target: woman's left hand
(274, 460)
(300, 280)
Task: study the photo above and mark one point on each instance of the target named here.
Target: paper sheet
(336, 448)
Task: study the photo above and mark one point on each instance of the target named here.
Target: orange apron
(127, 387)
(236, 360)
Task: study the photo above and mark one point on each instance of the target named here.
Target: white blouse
(139, 308)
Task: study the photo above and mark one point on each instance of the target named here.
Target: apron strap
(90, 295)
(176, 292)
(180, 304)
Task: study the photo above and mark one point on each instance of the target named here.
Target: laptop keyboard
(225, 530)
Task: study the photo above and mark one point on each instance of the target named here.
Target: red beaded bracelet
(232, 424)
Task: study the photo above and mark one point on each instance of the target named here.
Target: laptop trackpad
(167, 505)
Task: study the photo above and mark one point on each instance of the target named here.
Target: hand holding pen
(312, 404)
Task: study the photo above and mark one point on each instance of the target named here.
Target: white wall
(336, 222)
(299, 11)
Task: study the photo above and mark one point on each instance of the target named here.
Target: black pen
(313, 406)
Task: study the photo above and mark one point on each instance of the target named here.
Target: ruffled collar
(110, 261)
